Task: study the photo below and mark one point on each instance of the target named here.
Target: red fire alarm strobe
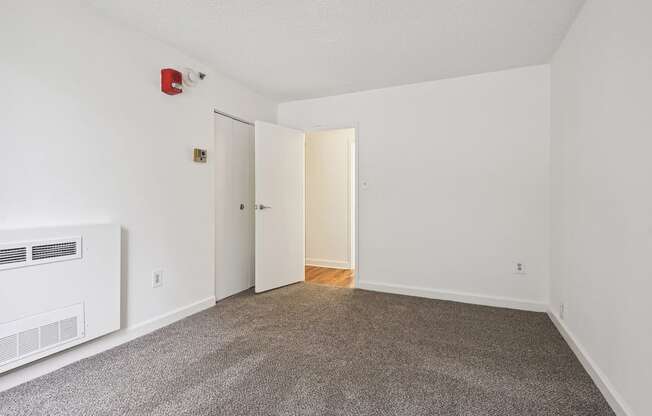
(171, 81)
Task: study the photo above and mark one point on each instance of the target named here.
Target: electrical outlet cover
(519, 268)
(157, 278)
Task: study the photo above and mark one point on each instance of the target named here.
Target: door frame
(356, 178)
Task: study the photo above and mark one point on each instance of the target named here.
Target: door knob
(241, 207)
(261, 207)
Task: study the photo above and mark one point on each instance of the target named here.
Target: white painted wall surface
(328, 197)
(87, 137)
(458, 184)
(602, 203)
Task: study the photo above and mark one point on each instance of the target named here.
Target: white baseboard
(607, 389)
(331, 264)
(39, 368)
(476, 299)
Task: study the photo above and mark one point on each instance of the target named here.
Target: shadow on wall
(124, 273)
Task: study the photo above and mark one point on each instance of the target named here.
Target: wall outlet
(519, 268)
(561, 311)
(157, 278)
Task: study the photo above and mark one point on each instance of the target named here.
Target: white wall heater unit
(59, 287)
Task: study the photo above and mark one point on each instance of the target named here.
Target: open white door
(280, 171)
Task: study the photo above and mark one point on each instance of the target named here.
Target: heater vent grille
(49, 334)
(69, 328)
(48, 251)
(28, 341)
(13, 255)
(37, 333)
(8, 348)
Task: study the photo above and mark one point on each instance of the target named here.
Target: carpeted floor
(315, 350)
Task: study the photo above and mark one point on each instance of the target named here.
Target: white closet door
(280, 233)
(242, 206)
(234, 207)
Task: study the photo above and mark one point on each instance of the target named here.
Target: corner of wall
(600, 379)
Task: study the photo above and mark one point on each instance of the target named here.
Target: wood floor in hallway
(330, 277)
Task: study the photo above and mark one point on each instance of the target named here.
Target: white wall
(458, 181)
(87, 136)
(602, 198)
(328, 197)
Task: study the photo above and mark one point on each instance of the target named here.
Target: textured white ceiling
(291, 49)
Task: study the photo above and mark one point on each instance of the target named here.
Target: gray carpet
(315, 350)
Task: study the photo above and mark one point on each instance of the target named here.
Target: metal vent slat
(28, 341)
(49, 334)
(8, 348)
(48, 251)
(13, 255)
(68, 328)
(10, 251)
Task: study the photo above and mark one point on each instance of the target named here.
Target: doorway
(330, 207)
(266, 178)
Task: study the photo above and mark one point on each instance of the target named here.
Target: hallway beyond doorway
(330, 277)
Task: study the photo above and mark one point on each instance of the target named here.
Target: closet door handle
(242, 206)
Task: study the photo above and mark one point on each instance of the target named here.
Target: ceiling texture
(294, 49)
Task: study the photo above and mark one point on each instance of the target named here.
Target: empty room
(246, 207)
